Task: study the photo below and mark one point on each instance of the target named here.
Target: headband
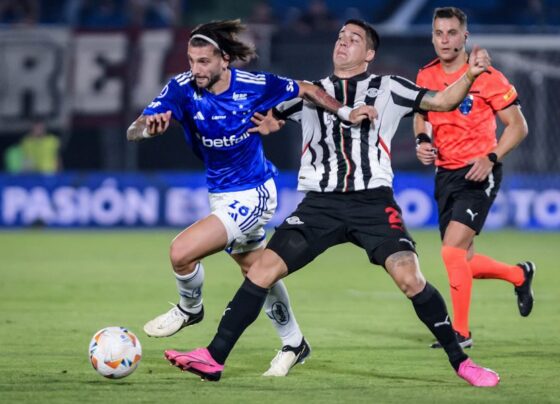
(207, 39)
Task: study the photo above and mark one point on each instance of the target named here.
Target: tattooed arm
(319, 97)
(452, 96)
(147, 126)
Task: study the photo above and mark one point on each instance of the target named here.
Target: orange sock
(483, 267)
(460, 283)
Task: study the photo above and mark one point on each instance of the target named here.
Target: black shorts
(463, 201)
(370, 219)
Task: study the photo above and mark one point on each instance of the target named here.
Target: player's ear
(225, 60)
(370, 54)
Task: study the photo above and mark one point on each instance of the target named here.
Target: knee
(180, 257)
(412, 284)
(267, 270)
(405, 271)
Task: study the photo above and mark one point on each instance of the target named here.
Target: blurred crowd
(299, 15)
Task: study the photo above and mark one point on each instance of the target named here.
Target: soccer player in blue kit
(214, 104)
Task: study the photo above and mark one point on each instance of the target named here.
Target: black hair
(450, 12)
(372, 37)
(224, 33)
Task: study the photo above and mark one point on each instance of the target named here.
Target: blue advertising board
(162, 199)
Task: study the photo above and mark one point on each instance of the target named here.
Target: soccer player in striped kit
(468, 158)
(214, 104)
(346, 172)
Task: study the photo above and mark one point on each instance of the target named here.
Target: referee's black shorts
(464, 201)
(370, 219)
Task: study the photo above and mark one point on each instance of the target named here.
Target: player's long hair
(224, 33)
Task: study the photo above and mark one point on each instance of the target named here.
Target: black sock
(238, 315)
(430, 308)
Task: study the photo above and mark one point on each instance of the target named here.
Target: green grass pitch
(58, 287)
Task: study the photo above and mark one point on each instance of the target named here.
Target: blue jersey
(216, 125)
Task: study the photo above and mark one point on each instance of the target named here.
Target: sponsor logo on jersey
(290, 86)
(239, 96)
(218, 117)
(224, 141)
(197, 97)
(154, 104)
(198, 116)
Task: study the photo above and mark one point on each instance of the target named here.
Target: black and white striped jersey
(338, 158)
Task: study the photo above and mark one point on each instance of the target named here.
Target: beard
(212, 79)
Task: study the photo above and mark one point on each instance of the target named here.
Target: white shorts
(244, 214)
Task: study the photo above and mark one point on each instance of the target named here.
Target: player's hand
(266, 124)
(482, 167)
(479, 61)
(158, 123)
(426, 153)
(362, 112)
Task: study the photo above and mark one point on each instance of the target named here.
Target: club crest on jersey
(466, 106)
(373, 92)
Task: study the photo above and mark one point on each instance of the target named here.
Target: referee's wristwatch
(493, 157)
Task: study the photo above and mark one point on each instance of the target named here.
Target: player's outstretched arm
(147, 126)
(319, 97)
(452, 96)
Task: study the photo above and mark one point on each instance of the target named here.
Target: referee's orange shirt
(470, 130)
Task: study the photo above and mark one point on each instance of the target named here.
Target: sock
(277, 308)
(190, 289)
(240, 313)
(483, 267)
(431, 310)
(460, 285)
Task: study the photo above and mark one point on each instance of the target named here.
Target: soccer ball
(114, 352)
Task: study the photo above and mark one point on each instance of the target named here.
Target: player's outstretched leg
(189, 311)
(524, 292)
(241, 312)
(295, 348)
(430, 308)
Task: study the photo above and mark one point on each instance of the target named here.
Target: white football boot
(167, 324)
(287, 358)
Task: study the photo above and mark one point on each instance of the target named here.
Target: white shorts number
(244, 214)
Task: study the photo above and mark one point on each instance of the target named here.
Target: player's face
(207, 65)
(448, 37)
(351, 48)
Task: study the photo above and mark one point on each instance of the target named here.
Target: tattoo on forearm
(322, 99)
(427, 102)
(136, 129)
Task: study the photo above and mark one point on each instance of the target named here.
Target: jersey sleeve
(171, 99)
(500, 93)
(290, 109)
(278, 89)
(406, 95)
